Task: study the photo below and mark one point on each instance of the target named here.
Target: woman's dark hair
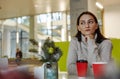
(99, 38)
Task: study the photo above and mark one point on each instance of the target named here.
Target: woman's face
(87, 25)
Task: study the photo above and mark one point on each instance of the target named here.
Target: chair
(3, 63)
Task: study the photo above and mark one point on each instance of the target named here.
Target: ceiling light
(99, 5)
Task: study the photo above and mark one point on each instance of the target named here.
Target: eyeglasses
(89, 22)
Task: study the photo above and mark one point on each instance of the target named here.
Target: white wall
(112, 21)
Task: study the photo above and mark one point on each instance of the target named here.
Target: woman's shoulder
(74, 39)
(107, 41)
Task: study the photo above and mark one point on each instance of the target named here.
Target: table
(76, 77)
(64, 75)
(39, 73)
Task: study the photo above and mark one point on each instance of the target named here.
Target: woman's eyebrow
(82, 20)
(87, 20)
(91, 19)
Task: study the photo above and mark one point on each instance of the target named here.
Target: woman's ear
(97, 26)
(78, 27)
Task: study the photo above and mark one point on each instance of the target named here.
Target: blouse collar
(84, 39)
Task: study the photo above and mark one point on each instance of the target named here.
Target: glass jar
(51, 70)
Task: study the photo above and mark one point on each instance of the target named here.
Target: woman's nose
(87, 25)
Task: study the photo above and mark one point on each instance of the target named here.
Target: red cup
(99, 69)
(82, 68)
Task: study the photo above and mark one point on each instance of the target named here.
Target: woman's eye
(82, 23)
(90, 22)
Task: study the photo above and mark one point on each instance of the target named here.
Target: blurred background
(22, 20)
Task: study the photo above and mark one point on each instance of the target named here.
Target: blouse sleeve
(72, 57)
(106, 50)
(101, 52)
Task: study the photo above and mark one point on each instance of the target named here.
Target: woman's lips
(87, 30)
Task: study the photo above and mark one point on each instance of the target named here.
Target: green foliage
(5, 56)
(33, 41)
(51, 52)
(33, 46)
(33, 50)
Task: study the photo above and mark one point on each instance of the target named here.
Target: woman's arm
(106, 50)
(72, 58)
(92, 51)
(101, 52)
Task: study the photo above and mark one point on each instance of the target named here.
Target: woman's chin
(86, 34)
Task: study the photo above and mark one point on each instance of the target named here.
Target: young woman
(88, 44)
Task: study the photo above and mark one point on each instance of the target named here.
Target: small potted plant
(51, 57)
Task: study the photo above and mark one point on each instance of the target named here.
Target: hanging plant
(33, 41)
(33, 50)
(33, 46)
